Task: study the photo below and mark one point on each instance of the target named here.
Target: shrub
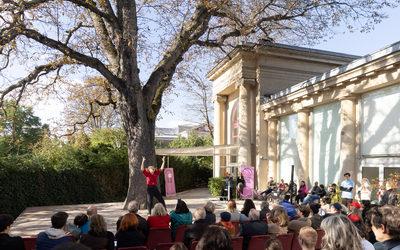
(215, 184)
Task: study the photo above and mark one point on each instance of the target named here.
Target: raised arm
(163, 162)
(142, 167)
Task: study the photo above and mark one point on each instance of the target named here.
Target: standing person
(151, 176)
(180, 216)
(303, 190)
(347, 190)
(364, 192)
(7, 242)
(240, 182)
(390, 196)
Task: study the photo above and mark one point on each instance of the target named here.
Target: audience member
(271, 184)
(284, 192)
(336, 195)
(320, 194)
(303, 190)
(355, 212)
(91, 210)
(180, 216)
(281, 221)
(247, 206)
(73, 228)
(209, 207)
(365, 206)
(390, 196)
(314, 189)
(240, 182)
(363, 232)
(386, 226)
(291, 211)
(235, 215)
(178, 246)
(195, 231)
(364, 192)
(334, 209)
(264, 209)
(159, 217)
(128, 235)
(252, 228)
(324, 204)
(347, 190)
(308, 238)
(225, 222)
(70, 246)
(281, 187)
(295, 225)
(133, 207)
(340, 234)
(98, 237)
(215, 238)
(315, 218)
(7, 242)
(55, 235)
(273, 244)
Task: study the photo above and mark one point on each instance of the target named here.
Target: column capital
(272, 119)
(246, 82)
(219, 98)
(302, 110)
(348, 97)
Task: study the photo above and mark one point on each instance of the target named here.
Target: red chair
(180, 231)
(265, 220)
(237, 243)
(158, 235)
(30, 243)
(194, 245)
(72, 237)
(132, 248)
(286, 240)
(246, 221)
(258, 242)
(296, 217)
(236, 225)
(295, 242)
(166, 246)
(321, 234)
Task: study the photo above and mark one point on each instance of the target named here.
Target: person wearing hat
(335, 209)
(225, 222)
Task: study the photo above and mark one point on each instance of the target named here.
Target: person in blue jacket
(179, 216)
(291, 211)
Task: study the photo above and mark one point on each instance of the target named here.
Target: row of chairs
(30, 242)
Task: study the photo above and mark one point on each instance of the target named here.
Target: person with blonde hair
(231, 208)
(178, 246)
(340, 234)
(151, 175)
(210, 216)
(159, 217)
(128, 235)
(308, 238)
(364, 192)
(98, 237)
(390, 195)
(281, 221)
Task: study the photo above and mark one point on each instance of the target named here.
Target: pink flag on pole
(248, 175)
(169, 182)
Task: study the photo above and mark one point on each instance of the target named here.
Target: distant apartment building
(165, 136)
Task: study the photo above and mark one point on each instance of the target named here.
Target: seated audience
(295, 225)
(302, 192)
(363, 232)
(325, 204)
(91, 210)
(128, 235)
(73, 228)
(159, 217)
(6, 241)
(314, 189)
(195, 231)
(340, 234)
(264, 210)
(210, 216)
(271, 186)
(244, 214)
(334, 209)
(308, 238)
(133, 207)
(386, 226)
(311, 198)
(225, 222)
(315, 218)
(180, 216)
(291, 211)
(215, 238)
(281, 221)
(55, 235)
(273, 244)
(71, 246)
(292, 189)
(98, 237)
(235, 215)
(336, 195)
(252, 228)
(281, 187)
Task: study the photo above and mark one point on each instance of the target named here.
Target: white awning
(222, 150)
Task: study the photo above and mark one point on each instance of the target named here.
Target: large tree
(115, 38)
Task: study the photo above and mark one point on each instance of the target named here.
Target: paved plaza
(36, 219)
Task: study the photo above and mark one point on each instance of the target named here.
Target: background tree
(115, 38)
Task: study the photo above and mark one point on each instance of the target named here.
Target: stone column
(244, 154)
(302, 146)
(272, 147)
(218, 130)
(348, 136)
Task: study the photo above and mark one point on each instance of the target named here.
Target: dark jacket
(316, 221)
(194, 232)
(14, 243)
(129, 238)
(98, 241)
(142, 224)
(392, 244)
(321, 192)
(252, 228)
(210, 218)
(314, 190)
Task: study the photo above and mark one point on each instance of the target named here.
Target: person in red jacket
(159, 217)
(151, 176)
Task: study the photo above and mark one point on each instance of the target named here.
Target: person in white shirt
(364, 192)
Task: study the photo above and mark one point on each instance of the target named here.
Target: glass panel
(371, 173)
(388, 171)
(287, 147)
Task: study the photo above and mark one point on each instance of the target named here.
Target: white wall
(287, 147)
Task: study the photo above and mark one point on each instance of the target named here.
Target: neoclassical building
(326, 113)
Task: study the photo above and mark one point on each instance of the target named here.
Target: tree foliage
(115, 38)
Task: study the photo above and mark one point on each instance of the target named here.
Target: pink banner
(248, 175)
(169, 182)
